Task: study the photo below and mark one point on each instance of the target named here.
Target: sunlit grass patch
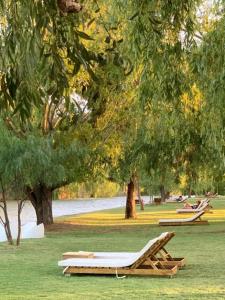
(150, 215)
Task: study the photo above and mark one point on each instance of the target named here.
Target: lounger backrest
(196, 216)
(203, 206)
(203, 203)
(151, 248)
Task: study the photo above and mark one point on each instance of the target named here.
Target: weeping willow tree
(158, 36)
(35, 39)
(207, 66)
(187, 144)
(54, 91)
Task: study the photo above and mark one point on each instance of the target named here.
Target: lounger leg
(164, 254)
(65, 273)
(119, 277)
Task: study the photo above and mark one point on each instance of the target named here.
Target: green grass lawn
(31, 271)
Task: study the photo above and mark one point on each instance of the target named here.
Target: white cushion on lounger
(112, 261)
(114, 254)
(95, 262)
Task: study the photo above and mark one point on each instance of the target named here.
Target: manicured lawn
(31, 271)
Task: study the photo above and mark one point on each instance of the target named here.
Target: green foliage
(154, 41)
(36, 160)
(88, 189)
(55, 133)
(158, 36)
(207, 65)
(42, 50)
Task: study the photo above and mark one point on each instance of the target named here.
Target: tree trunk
(130, 212)
(139, 195)
(41, 199)
(5, 222)
(19, 211)
(189, 192)
(6, 225)
(162, 193)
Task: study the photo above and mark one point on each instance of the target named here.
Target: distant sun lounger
(203, 206)
(194, 220)
(176, 200)
(145, 262)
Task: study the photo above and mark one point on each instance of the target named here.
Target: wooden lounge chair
(194, 220)
(144, 262)
(161, 254)
(211, 195)
(203, 206)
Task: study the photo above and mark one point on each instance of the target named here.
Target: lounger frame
(184, 223)
(153, 269)
(195, 220)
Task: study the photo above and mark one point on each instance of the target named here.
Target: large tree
(55, 82)
(158, 36)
